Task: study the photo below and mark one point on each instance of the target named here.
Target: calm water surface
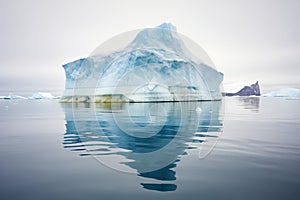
(240, 148)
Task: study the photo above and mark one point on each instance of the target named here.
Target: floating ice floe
(285, 92)
(42, 95)
(12, 96)
(34, 96)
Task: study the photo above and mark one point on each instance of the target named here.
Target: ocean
(237, 148)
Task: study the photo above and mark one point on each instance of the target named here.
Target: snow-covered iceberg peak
(156, 65)
(164, 37)
(167, 26)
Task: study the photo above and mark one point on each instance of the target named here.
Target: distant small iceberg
(42, 95)
(12, 96)
(234, 87)
(240, 89)
(285, 92)
(34, 96)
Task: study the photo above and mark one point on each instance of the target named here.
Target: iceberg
(247, 90)
(12, 96)
(156, 65)
(233, 87)
(285, 92)
(37, 95)
(42, 95)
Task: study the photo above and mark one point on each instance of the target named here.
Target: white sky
(247, 40)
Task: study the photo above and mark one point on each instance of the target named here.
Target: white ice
(285, 92)
(12, 96)
(42, 95)
(37, 95)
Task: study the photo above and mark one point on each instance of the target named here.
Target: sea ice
(42, 95)
(37, 95)
(285, 92)
(12, 96)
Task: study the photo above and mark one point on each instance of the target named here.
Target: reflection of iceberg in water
(145, 138)
(250, 103)
(159, 187)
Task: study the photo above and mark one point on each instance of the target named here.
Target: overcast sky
(247, 40)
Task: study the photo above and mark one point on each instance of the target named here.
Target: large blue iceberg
(156, 65)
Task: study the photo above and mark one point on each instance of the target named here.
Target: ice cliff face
(155, 66)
